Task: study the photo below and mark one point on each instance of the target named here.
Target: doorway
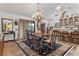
(25, 25)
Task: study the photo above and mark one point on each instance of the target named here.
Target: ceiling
(28, 9)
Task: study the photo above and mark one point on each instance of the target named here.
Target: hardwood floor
(74, 51)
(28, 51)
(12, 49)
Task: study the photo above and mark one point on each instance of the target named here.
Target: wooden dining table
(47, 40)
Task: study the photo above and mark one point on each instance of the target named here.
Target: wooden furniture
(69, 20)
(52, 39)
(59, 35)
(8, 35)
(75, 36)
(66, 36)
(1, 43)
(54, 34)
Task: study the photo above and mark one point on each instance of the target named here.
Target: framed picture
(7, 24)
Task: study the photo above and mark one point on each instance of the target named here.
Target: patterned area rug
(60, 50)
(56, 46)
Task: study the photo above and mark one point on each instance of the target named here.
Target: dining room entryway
(25, 25)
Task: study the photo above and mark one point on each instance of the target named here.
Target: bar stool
(75, 37)
(54, 34)
(53, 37)
(66, 36)
(59, 35)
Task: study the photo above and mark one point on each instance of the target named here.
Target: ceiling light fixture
(38, 16)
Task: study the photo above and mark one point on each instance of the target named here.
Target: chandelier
(38, 16)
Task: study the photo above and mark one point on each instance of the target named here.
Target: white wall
(12, 16)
